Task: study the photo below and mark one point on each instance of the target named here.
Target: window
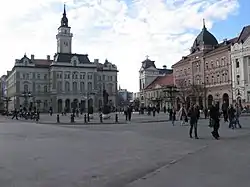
(207, 80)
(75, 87)
(89, 76)
(212, 64)
(212, 79)
(249, 61)
(59, 86)
(25, 88)
(38, 76)
(89, 86)
(237, 63)
(45, 77)
(218, 78)
(223, 77)
(27, 76)
(82, 86)
(223, 61)
(248, 96)
(38, 88)
(103, 77)
(67, 87)
(217, 63)
(238, 79)
(45, 89)
(81, 76)
(206, 65)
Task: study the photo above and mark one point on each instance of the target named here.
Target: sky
(122, 31)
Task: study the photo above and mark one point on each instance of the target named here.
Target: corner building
(67, 81)
(208, 65)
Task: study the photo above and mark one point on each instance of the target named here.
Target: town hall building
(66, 81)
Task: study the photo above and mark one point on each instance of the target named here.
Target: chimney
(96, 61)
(48, 57)
(164, 67)
(32, 57)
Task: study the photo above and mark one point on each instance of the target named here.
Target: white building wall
(241, 52)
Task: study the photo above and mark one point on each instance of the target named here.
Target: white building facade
(67, 81)
(147, 74)
(240, 56)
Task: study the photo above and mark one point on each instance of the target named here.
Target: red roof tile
(167, 80)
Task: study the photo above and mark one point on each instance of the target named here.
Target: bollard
(58, 118)
(101, 120)
(116, 118)
(72, 120)
(85, 118)
(88, 117)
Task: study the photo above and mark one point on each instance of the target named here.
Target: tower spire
(64, 10)
(204, 24)
(64, 20)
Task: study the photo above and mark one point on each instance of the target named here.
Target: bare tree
(192, 91)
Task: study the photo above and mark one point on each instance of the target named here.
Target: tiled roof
(167, 80)
(165, 71)
(66, 57)
(222, 45)
(148, 63)
(244, 34)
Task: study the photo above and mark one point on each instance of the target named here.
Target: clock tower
(64, 37)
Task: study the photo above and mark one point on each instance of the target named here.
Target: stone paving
(133, 155)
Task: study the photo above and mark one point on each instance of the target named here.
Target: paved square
(134, 155)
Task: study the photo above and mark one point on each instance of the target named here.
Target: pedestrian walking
(224, 109)
(237, 115)
(183, 115)
(173, 116)
(215, 120)
(15, 114)
(231, 117)
(193, 114)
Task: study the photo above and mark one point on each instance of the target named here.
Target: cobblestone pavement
(134, 155)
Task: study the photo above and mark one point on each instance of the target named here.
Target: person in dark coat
(224, 109)
(173, 115)
(231, 116)
(215, 120)
(193, 114)
(206, 112)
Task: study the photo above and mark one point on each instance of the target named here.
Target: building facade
(147, 74)
(208, 66)
(160, 92)
(124, 97)
(66, 81)
(240, 54)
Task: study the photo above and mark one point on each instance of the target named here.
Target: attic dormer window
(74, 62)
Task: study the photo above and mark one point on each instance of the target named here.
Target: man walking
(224, 110)
(193, 114)
(231, 115)
(237, 115)
(215, 120)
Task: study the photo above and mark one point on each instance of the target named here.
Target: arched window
(74, 86)
(26, 88)
(45, 89)
(67, 87)
(89, 86)
(82, 86)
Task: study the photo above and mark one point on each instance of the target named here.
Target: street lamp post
(26, 95)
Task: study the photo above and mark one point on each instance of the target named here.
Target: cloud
(122, 31)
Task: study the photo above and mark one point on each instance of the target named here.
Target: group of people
(191, 115)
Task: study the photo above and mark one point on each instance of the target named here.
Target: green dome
(204, 38)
